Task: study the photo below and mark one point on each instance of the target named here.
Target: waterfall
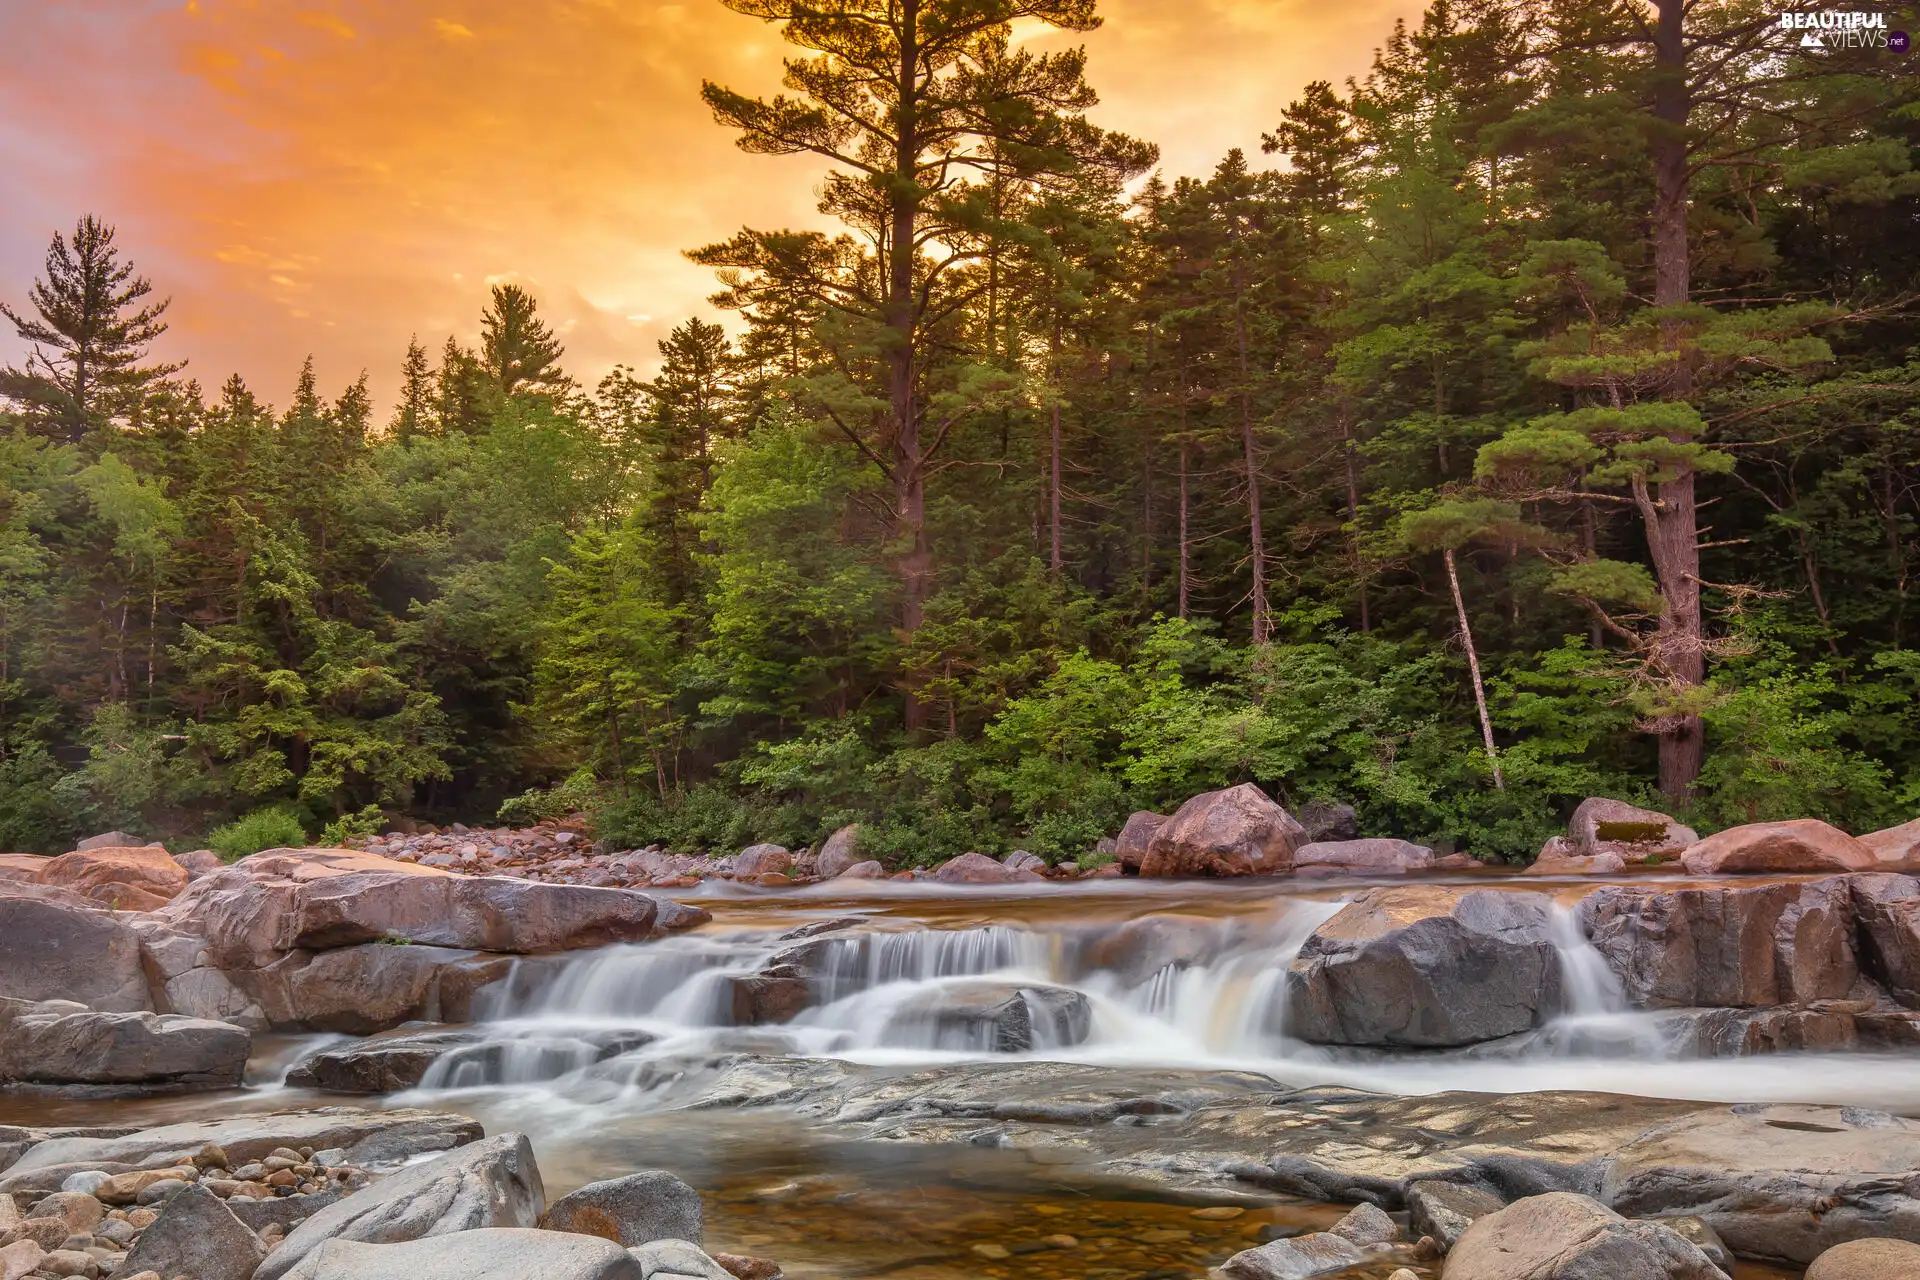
(1595, 1020)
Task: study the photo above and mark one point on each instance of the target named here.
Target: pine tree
(517, 348)
(413, 416)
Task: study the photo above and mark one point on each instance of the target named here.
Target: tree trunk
(1473, 665)
(915, 563)
(1053, 473)
(1673, 517)
(1185, 540)
(1353, 520)
(1256, 535)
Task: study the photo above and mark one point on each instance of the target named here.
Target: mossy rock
(1629, 832)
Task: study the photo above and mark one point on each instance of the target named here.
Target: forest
(1530, 419)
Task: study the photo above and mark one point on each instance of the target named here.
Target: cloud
(338, 179)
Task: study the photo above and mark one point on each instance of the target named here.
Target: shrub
(273, 828)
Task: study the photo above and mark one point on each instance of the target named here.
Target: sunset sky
(332, 177)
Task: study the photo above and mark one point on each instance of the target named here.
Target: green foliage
(574, 794)
(269, 828)
(353, 826)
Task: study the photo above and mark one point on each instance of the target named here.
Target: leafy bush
(711, 817)
(350, 826)
(273, 828)
(547, 804)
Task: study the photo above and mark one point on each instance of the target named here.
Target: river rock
(1887, 909)
(50, 950)
(1558, 858)
(64, 1042)
(490, 1183)
(1868, 1260)
(1426, 966)
(1896, 848)
(638, 1208)
(839, 852)
(1139, 948)
(1022, 860)
(183, 976)
(1444, 1210)
(772, 995)
(1378, 856)
(371, 988)
(1604, 826)
(1236, 832)
(1805, 844)
(1328, 821)
(677, 1260)
(21, 1258)
(1295, 1259)
(381, 1064)
(128, 879)
(1366, 1224)
(496, 1253)
(196, 1235)
(1130, 846)
(483, 913)
(1695, 1231)
(996, 1017)
(1562, 1236)
(1732, 945)
(78, 1209)
(978, 868)
(871, 869)
(199, 862)
(761, 859)
(22, 868)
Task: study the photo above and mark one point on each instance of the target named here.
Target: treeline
(1540, 424)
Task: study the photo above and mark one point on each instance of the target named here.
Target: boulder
(638, 1208)
(773, 995)
(483, 913)
(52, 950)
(1378, 856)
(868, 870)
(1327, 821)
(1603, 826)
(199, 862)
(20, 1259)
(1426, 967)
(1295, 1259)
(1130, 846)
(381, 1064)
(1726, 945)
(498, 1253)
(196, 1235)
(839, 853)
(1139, 948)
(1563, 1236)
(761, 859)
(135, 879)
(1444, 1210)
(978, 868)
(22, 866)
(63, 1042)
(371, 988)
(1896, 848)
(1558, 858)
(1021, 860)
(1868, 1260)
(1886, 909)
(677, 1260)
(184, 978)
(108, 840)
(996, 1017)
(1366, 1224)
(1236, 832)
(1805, 844)
(490, 1183)
(1695, 1231)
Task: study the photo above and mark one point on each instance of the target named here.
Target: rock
(638, 1208)
(1868, 1260)
(996, 1017)
(497, 1253)
(51, 951)
(199, 862)
(183, 978)
(978, 868)
(79, 1210)
(485, 913)
(1294, 1259)
(109, 840)
(1327, 821)
(741, 1267)
(869, 870)
(20, 1259)
(137, 879)
(376, 987)
(839, 854)
(1896, 848)
(127, 1188)
(1426, 966)
(1557, 858)
(1604, 826)
(1130, 846)
(1830, 1026)
(70, 1262)
(277, 1213)
(197, 1235)
(1805, 844)
(1021, 860)
(1562, 1236)
(490, 1183)
(22, 867)
(1236, 832)
(1886, 909)
(1695, 1231)
(1366, 1224)
(675, 916)
(1375, 857)
(1725, 945)
(47, 1233)
(761, 859)
(162, 1191)
(1139, 948)
(768, 997)
(1444, 1210)
(62, 1042)
(674, 1259)
(382, 1064)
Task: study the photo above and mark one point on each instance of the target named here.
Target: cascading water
(1595, 1020)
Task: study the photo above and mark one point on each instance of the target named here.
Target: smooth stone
(1366, 1224)
(1868, 1260)
(673, 1259)
(484, 1253)
(64, 1042)
(78, 1209)
(1805, 844)
(1238, 831)
(635, 1209)
(1444, 1210)
(197, 1235)
(1296, 1258)
(1563, 1236)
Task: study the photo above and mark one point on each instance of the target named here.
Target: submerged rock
(995, 1017)
(1236, 832)
(384, 1064)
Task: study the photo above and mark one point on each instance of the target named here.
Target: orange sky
(330, 177)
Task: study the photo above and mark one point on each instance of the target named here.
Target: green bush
(709, 818)
(273, 828)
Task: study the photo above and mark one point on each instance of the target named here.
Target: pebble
(160, 1192)
(1164, 1235)
(330, 1157)
(142, 1218)
(1218, 1213)
(250, 1172)
(87, 1182)
(993, 1251)
(1062, 1241)
(70, 1262)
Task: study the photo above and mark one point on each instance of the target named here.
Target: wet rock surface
(64, 1042)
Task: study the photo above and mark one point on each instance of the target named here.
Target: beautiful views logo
(1843, 29)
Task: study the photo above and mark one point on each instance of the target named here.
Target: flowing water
(597, 1056)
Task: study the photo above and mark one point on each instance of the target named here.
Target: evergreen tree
(519, 351)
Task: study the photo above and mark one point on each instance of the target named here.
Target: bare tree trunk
(1186, 542)
(1053, 473)
(1256, 536)
(1473, 665)
(915, 565)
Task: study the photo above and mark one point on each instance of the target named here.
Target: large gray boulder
(839, 853)
(638, 1208)
(196, 1235)
(54, 950)
(1426, 967)
(677, 1260)
(1605, 826)
(384, 1064)
(1563, 1236)
(1130, 846)
(370, 988)
(490, 1183)
(1378, 856)
(496, 1253)
(1236, 832)
(63, 1042)
(1734, 945)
